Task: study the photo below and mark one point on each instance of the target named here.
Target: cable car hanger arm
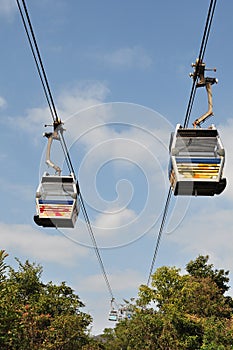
(57, 125)
(206, 82)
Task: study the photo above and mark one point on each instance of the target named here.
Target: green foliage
(200, 269)
(178, 312)
(37, 316)
(3, 266)
(132, 335)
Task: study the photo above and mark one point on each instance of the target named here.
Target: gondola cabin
(196, 162)
(113, 315)
(57, 201)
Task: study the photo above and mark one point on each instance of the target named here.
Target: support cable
(165, 212)
(36, 54)
(202, 50)
(95, 246)
(42, 74)
(48, 94)
(204, 41)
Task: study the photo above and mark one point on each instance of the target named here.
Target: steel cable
(48, 94)
(204, 41)
(202, 50)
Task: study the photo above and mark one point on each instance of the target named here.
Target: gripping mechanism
(202, 81)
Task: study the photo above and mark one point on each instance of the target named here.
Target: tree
(3, 266)
(200, 269)
(179, 312)
(39, 316)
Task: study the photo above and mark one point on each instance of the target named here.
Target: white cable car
(196, 162)
(57, 195)
(197, 155)
(56, 201)
(113, 315)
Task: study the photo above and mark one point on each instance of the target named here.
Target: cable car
(56, 201)
(196, 161)
(113, 315)
(197, 155)
(57, 195)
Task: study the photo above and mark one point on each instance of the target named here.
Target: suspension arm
(206, 115)
(51, 136)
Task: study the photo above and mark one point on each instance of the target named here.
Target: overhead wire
(42, 74)
(37, 57)
(165, 212)
(49, 97)
(202, 50)
(50, 100)
(203, 45)
(89, 226)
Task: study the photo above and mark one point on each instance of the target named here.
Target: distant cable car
(197, 155)
(113, 315)
(56, 195)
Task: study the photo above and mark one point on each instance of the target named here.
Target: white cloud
(110, 230)
(121, 131)
(120, 281)
(127, 57)
(114, 220)
(3, 102)
(3, 156)
(125, 140)
(128, 279)
(7, 8)
(39, 245)
(83, 96)
(207, 230)
(115, 124)
(33, 122)
(22, 191)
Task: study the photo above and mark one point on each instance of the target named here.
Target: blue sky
(119, 74)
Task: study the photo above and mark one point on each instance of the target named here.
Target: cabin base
(190, 188)
(53, 222)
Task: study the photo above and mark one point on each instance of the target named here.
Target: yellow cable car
(197, 155)
(197, 159)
